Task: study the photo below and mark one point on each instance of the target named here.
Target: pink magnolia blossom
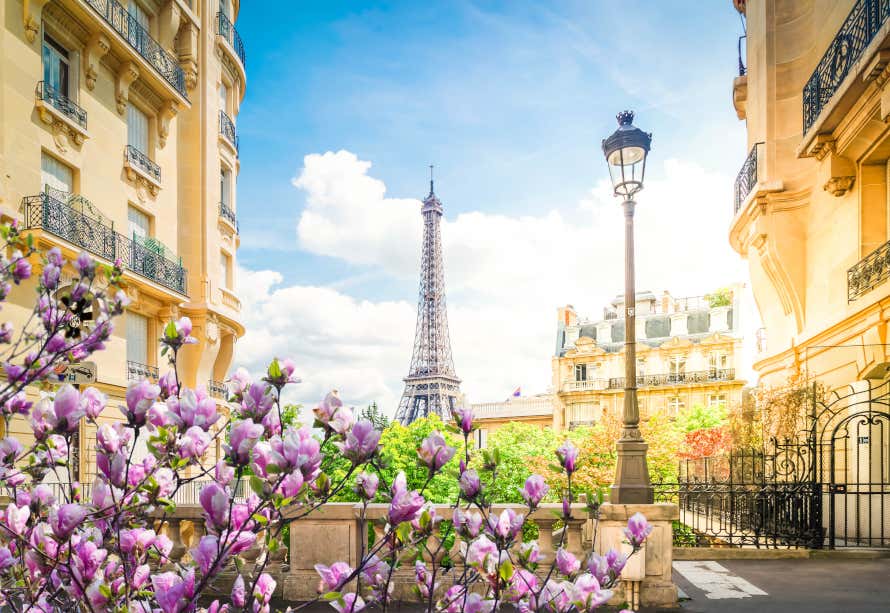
(534, 491)
(566, 563)
(567, 454)
(333, 577)
(215, 503)
(361, 442)
(638, 529)
(405, 504)
(349, 603)
(17, 518)
(434, 451)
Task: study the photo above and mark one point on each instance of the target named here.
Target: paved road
(774, 586)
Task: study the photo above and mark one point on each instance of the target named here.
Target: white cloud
(505, 276)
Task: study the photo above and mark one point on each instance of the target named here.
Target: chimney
(665, 302)
(566, 315)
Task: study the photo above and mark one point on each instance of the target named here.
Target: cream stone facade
(811, 209)
(688, 353)
(118, 137)
(489, 416)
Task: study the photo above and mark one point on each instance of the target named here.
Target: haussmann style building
(118, 137)
(688, 353)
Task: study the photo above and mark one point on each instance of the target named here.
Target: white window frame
(137, 328)
(52, 172)
(580, 372)
(225, 187)
(53, 50)
(675, 405)
(226, 273)
(138, 129)
(716, 400)
(134, 228)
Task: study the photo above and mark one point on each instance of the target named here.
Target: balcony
(46, 93)
(228, 214)
(141, 41)
(746, 179)
(137, 371)
(227, 130)
(227, 30)
(682, 378)
(74, 219)
(138, 160)
(217, 389)
(868, 273)
(585, 386)
(857, 31)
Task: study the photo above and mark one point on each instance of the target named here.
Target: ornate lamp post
(626, 150)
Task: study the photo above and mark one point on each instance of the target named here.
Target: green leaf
(260, 518)
(274, 371)
(332, 596)
(256, 484)
(105, 590)
(506, 570)
(170, 330)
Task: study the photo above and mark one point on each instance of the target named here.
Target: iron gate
(827, 486)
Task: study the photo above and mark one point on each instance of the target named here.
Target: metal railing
(61, 103)
(869, 272)
(857, 31)
(681, 378)
(141, 161)
(226, 29)
(138, 37)
(746, 179)
(73, 223)
(229, 215)
(743, 55)
(573, 385)
(227, 129)
(217, 389)
(137, 371)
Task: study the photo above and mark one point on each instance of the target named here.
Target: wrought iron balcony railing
(857, 31)
(227, 129)
(217, 389)
(682, 378)
(869, 272)
(64, 105)
(73, 219)
(226, 29)
(138, 37)
(141, 161)
(746, 179)
(137, 371)
(228, 214)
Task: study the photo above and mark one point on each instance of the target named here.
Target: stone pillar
(720, 319)
(679, 324)
(653, 562)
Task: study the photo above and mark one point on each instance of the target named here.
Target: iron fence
(142, 161)
(125, 24)
(61, 103)
(227, 129)
(680, 378)
(226, 29)
(73, 219)
(859, 28)
(746, 179)
(229, 215)
(869, 272)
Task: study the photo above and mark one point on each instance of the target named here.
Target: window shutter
(137, 129)
(137, 338)
(55, 174)
(138, 223)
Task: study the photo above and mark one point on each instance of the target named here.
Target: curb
(730, 553)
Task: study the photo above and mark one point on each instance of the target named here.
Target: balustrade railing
(584, 386)
(227, 129)
(61, 103)
(859, 28)
(746, 179)
(226, 29)
(63, 216)
(681, 378)
(137, 371)
(142, 162)
(869, 272)
(125, 24)
(229, 215)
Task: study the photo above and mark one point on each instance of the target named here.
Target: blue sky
(510, 101)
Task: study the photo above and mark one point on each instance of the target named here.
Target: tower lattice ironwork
(431, 385)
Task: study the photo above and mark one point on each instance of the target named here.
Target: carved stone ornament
(211, 331)
(96, 49)
(166, 114)
(31, 10)
(127, 73)
(838, 186)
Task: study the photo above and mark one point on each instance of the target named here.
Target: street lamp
(626, 150)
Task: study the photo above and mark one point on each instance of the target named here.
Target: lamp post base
(632, 484)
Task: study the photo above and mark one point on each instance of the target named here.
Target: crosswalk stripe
(716, 581)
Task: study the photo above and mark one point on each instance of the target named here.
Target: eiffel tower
(431, 385)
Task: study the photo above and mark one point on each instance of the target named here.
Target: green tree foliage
(698, 417)
(521, 447)
(375, 416)
(720, 297)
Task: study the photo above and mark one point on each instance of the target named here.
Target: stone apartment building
(118, 137)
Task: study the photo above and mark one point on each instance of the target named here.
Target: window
(225, 182)
(57, 68)
(225, 273)
(137, 129)
(641, 367)
(717, 401)
(224, 98)
(718, 362)
(580, 372)
(138, 224)
(55, 175)
(139, 14)
(678, 368)
(137, 338)
(224, 7)
(675, 405)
